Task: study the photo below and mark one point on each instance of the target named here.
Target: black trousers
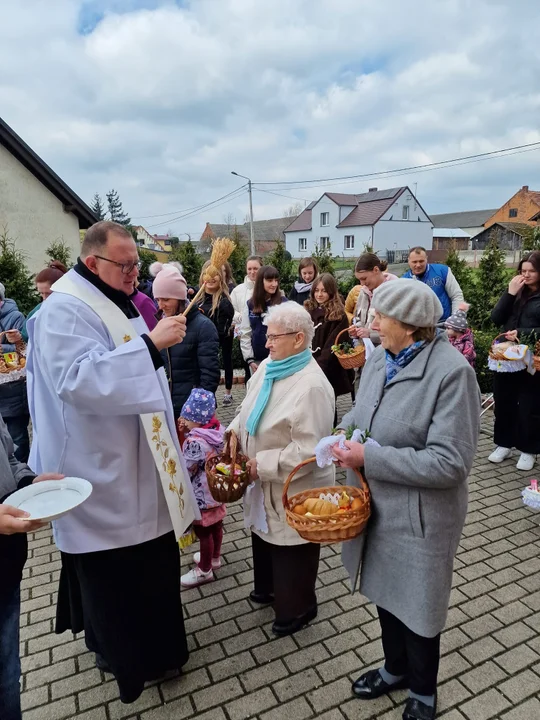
(226, 344)
(127, 601)
(406, 653)
(517, 411)
(289, 572)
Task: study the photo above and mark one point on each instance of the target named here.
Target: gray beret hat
(409, 301)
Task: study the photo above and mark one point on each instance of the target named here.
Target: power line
(214, 204)
(187, 210)
(435, 165)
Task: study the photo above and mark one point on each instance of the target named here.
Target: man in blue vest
(438, 277)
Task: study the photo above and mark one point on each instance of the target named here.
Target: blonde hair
(223, 289)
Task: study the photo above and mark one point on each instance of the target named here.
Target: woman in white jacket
(288, 408)
(240, 296)
(243, 292)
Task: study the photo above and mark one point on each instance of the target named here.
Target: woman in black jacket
(217, 306)
(517, 394)
(307, 272)
(195, 361)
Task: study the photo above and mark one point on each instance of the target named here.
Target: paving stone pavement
(490, 664)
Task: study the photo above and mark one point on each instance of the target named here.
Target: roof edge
(47, 177)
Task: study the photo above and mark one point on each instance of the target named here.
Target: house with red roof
(385, 220)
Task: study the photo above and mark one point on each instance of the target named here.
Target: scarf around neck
(275, 370)
(396, 363)
(302, 287)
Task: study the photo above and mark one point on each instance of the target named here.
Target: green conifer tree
(115, 208)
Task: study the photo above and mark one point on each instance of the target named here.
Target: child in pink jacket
(204, 438)
(460, 335)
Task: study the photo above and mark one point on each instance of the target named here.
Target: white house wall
(392, 232)
(33, 216)
(362, 238)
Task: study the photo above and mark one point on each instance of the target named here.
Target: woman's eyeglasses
(125, 268)
(272, 338)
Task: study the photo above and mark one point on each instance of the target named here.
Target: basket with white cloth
(509, 356)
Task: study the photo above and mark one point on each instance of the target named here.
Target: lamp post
(252, 238)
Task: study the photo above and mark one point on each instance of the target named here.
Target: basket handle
(230, 446)
(346, 330)
(285, 497)
(502, 335)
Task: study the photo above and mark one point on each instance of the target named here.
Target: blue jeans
(18, 429)
(10, 663)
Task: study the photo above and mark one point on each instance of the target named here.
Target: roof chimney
(525, 188)
(375, 189)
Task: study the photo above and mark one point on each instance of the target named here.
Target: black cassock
(127, 601)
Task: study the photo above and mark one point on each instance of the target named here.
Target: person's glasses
(126, 268)
(272, 338)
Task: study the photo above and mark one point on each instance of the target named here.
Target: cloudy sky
(162, 99)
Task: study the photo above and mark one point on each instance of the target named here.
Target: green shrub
(482, 344)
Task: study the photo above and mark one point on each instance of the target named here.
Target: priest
(101, 410)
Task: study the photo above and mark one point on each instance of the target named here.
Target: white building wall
(33, 216)
(394, 232)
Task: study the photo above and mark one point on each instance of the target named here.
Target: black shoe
(102, 664)
(370, 685)
(288, 628)
(261, 598)
(416, 710)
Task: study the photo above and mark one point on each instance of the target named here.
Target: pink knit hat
(168, 283)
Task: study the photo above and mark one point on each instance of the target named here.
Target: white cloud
(161, 100)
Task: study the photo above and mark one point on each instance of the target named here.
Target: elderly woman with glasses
(288, 408)
(420, 401)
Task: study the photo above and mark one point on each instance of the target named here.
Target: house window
(325, 219)
(349, 242)
(302, 244)
(324, 243)
(405, 212)
(512, 213)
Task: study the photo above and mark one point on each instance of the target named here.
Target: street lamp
(252, 238)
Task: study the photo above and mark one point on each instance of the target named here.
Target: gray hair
(292, 317)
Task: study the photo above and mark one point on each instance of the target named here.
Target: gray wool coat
(427, 420)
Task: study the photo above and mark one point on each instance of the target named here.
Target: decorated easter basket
(327, 528)
(499, 363)
(227, 488)
(355, 358)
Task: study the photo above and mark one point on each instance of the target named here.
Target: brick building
(519, 209)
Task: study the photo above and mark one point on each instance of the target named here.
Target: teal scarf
(275, 370)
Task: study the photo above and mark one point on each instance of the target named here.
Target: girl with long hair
(229, 277)
(217, 306)
(329, 317)
(45, 279)
(517, 394)
(266, 293)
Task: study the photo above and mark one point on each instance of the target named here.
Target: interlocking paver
(491, 649)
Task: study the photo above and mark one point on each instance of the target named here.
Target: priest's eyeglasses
(126, 268)
(272, 338)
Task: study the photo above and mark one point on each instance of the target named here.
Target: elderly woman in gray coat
(419, 399)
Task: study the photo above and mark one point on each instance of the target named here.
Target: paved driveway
(491, 648)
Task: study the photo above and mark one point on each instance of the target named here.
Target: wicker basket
(499, 363)
(328, 528)
(536, 362)
(355, 359)
(223, 488)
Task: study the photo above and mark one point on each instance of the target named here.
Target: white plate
(50, 499)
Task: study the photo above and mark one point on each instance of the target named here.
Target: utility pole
(251, 235)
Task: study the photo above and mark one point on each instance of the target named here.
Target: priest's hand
(168, 332)
(12, 521)
(48, 476)
(352, 457)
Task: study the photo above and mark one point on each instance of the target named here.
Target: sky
(161, 100)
